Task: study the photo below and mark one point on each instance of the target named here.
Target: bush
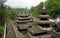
(1, 30)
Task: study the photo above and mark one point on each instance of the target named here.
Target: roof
(43, 22)
(35, 30)
(43, 16)
(43, 11)
(23, 18)
(23, 26)
(24, 21)
(23, 14)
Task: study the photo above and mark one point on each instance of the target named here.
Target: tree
(34, 11)
(53, 7)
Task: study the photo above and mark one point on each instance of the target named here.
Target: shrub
(1, 30)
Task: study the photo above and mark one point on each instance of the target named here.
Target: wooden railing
(5, 27)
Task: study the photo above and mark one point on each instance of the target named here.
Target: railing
(5, 31)
(5, 28)
(14, 29)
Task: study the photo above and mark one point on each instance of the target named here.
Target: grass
(1, 30)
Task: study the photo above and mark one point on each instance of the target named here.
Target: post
(5, 27)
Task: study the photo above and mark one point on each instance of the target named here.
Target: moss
(1, 30)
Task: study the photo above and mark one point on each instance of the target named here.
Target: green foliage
(7, 13)
(1, 30)
(2, 15)
(53, 7)
(13, 12)
(34, 11)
